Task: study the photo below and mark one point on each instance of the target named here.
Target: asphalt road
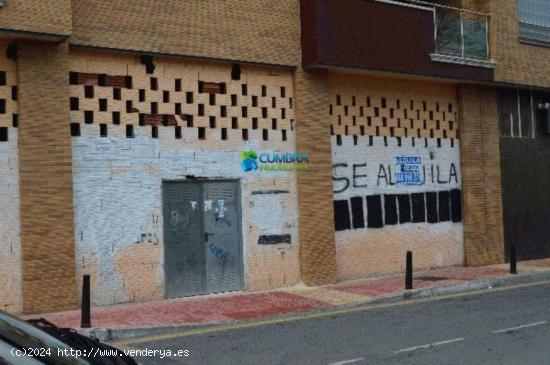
(509, 326)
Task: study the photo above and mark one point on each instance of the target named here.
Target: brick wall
(9, 90)
(45, 179)
(481, 6)
(390, 107)
(10, 245)
(483, 235)
(52, 16)
(317, 256)
(263, 31)
(382, 207)
(117, 180)
(517, 63)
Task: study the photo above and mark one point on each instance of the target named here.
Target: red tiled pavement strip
(189, 310)
(376, 288)
(387, 286)
(241, 306)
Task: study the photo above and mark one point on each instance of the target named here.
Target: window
(517, 113)
(534, 21)
(461, 34)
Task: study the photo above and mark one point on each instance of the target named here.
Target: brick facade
(380, 212)
(47, 236)
(35, 17)
(199, 120)
(318, 253)
(133, 127)
(516, 62)
(479, 136)
(258, 31)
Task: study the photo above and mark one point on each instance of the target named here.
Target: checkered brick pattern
(184, 95)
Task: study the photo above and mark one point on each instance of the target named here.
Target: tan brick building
(174, 148)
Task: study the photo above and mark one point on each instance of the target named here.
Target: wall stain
(139, 268)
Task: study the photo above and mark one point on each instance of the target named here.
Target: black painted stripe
(404, 201)
(341, 215)
(390, 209)
(274, 239)
(431, 207)
(444, 206)
(418, 208)
(374, 211)
(456, 205)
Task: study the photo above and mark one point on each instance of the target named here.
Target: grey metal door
(222, 237)
(184, 256)
(202, 230)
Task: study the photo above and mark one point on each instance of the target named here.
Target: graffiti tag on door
(220, 254)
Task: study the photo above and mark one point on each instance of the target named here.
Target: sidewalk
(130, 320)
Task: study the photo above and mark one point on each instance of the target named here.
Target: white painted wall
(10, 244)
(118, 207)
(368, 251)
(380, 154)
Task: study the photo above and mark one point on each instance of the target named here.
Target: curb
(120, 334)
(475, 285)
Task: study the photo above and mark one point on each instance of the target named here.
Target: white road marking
(433, 344)
(345, 362)
(511, 329)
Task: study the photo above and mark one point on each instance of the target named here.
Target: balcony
(461, 36)
(406, 36)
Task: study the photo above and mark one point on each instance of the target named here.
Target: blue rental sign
(408, 170)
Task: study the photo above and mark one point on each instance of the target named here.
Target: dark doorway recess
(525, 173)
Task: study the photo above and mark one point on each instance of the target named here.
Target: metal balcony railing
(459, 34)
